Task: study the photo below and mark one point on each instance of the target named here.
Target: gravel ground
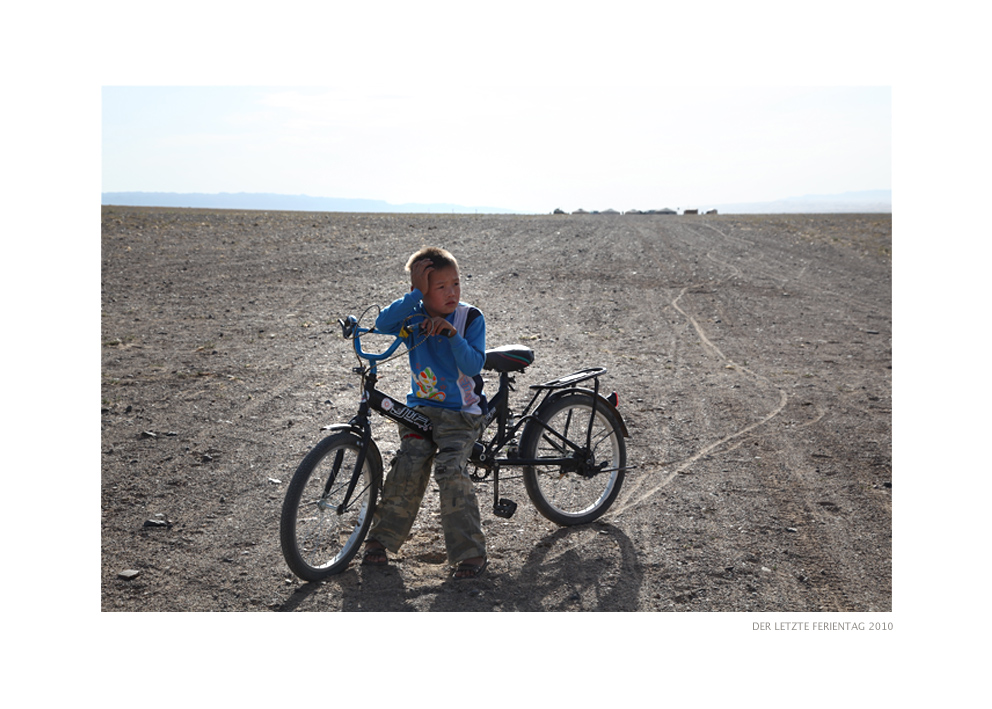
(752, 356)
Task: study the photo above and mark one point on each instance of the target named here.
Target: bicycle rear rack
(571, 379)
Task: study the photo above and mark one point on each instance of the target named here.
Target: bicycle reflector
(614, 399)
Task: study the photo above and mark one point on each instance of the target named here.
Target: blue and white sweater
(445, 371)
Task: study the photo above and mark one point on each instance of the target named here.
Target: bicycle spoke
(581, 489)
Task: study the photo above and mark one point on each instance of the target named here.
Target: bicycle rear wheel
(584, 488)
(319, 537)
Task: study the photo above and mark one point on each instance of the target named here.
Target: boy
(447, 348)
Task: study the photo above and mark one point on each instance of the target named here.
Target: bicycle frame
(484, 456)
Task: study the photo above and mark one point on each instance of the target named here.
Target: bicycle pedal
(504, 508)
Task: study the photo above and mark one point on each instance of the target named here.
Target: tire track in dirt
(636, 495)
(799, 497)
(789, 492)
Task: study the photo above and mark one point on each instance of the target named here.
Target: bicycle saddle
(509, 358)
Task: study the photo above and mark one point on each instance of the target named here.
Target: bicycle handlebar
(351, 329)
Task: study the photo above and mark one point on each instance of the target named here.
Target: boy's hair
(438, 257)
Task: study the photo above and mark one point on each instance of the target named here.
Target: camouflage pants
(403, 490)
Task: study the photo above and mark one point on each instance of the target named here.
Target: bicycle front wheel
(319, 533)
(582, 488)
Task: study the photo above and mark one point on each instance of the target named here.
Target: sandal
(375, 556)
(466, 570)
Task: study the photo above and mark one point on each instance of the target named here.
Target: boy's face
(443, 293)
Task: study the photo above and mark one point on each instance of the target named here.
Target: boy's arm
(470, 351)
(391, 318)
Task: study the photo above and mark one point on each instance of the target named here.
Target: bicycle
(569, 441)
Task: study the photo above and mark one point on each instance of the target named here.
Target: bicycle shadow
(358, 588)
(589, 568)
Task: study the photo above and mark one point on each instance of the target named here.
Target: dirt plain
(752, 355)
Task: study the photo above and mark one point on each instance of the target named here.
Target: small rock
(156, 523)
(128, 574)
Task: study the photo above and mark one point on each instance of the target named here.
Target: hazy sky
(526, 149)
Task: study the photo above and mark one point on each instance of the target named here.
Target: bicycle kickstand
(502, 507)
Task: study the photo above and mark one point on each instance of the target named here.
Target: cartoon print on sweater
(427, 386)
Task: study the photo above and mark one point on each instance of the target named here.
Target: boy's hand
(419, 274)
(437, 326)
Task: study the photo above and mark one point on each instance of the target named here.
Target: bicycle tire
(318, 541)
(574, 494)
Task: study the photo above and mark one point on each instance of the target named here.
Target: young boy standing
(447, 348)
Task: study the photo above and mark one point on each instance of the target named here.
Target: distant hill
(282, 202)
(864, 201)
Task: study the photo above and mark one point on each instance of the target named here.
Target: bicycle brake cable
(409, 332)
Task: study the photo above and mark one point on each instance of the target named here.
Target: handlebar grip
(448, 333)
(348, 326)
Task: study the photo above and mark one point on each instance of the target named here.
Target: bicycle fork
(362, 429)
(356, 473)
